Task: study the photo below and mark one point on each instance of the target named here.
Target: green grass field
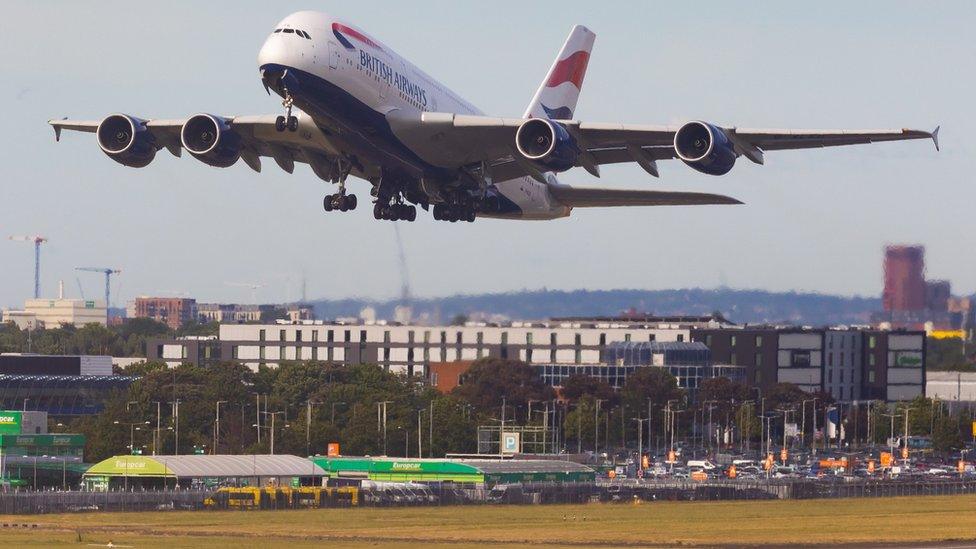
(771, 523)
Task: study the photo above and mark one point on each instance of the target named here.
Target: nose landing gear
(287, 122)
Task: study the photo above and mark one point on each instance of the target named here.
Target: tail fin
(557, 96)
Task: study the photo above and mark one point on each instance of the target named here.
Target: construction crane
(249, 285)
(37, 240)
(108, 272)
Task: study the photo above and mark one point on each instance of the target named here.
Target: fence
(78, 501)
(397, 495)
(781, 489)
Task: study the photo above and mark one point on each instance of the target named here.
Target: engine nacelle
(705, 148)
(211, 140)
(547, 143)
(126, 140)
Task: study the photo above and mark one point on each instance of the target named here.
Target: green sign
(10, 423)
(198, 450)
(909, 359)
(7, 441)
(129, 466)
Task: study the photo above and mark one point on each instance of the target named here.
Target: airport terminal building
(849, 363)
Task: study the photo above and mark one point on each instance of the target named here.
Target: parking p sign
(510, 443)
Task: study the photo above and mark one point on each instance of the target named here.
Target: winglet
(935, 137)
(57, 129)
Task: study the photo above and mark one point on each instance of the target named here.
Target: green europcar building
(30, 456)
(487, 472)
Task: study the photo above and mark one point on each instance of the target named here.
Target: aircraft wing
(454, 140)
(585, 197)
(258, 133)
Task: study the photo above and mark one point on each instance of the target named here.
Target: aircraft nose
(272, 52)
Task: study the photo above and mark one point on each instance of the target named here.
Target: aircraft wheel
(351, 199)
(412, 214)
(280, 124)
(327, 203)
(377, 211)
(343, 203)
(292, 123)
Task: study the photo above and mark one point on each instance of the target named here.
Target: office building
(904, 278)
(171, 311)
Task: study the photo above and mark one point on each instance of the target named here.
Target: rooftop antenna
(37, 240)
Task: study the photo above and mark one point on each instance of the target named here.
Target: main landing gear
(341, 201)
(394, 211)
(453, 213)
(287, 122)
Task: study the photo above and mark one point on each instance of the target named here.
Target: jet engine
(211, 140)
(547, 143)
(126, 140)
(704, 147)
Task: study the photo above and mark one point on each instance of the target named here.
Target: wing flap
(588, 197)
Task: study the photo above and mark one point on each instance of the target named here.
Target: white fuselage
(350, 64)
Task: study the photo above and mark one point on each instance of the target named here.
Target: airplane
(352, 106)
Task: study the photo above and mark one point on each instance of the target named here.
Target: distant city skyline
(813, 221)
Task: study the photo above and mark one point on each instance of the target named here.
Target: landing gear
(394, 212)
(287, 122)
(454, 213)
(340, 202)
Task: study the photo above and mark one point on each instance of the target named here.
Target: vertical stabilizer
(559, 92)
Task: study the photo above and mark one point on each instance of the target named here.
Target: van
(701, 464)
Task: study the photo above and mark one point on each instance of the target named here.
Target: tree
(578, 386)
(489, 380)
(947, 354)
(656, 384)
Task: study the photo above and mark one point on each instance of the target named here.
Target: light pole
(640, 441)
(596, 426)
(380, 418)
(891, 433)
(420, 433)
(176, 424)
(132, 432)
(273, 414)
(157, 430)
(217, 428)
(308, 425)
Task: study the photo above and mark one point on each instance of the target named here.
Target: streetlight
(380, 418)
(217, 428)
(891, 433)
(420, 433)
(132, 432)
(273, 414)
(308, 425)
(596, 426)
(640, 440)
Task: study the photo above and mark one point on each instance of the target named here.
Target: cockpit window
(277, 30)
(289, 31)
(305, 34)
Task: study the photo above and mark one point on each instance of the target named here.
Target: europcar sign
(10, 423)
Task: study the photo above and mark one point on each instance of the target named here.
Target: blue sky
(813, 220)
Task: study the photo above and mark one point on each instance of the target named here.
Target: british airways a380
(352, 106)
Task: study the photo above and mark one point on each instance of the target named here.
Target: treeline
(123, 340)
(345, 405)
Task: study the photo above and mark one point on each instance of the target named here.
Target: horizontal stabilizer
(588, 197)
